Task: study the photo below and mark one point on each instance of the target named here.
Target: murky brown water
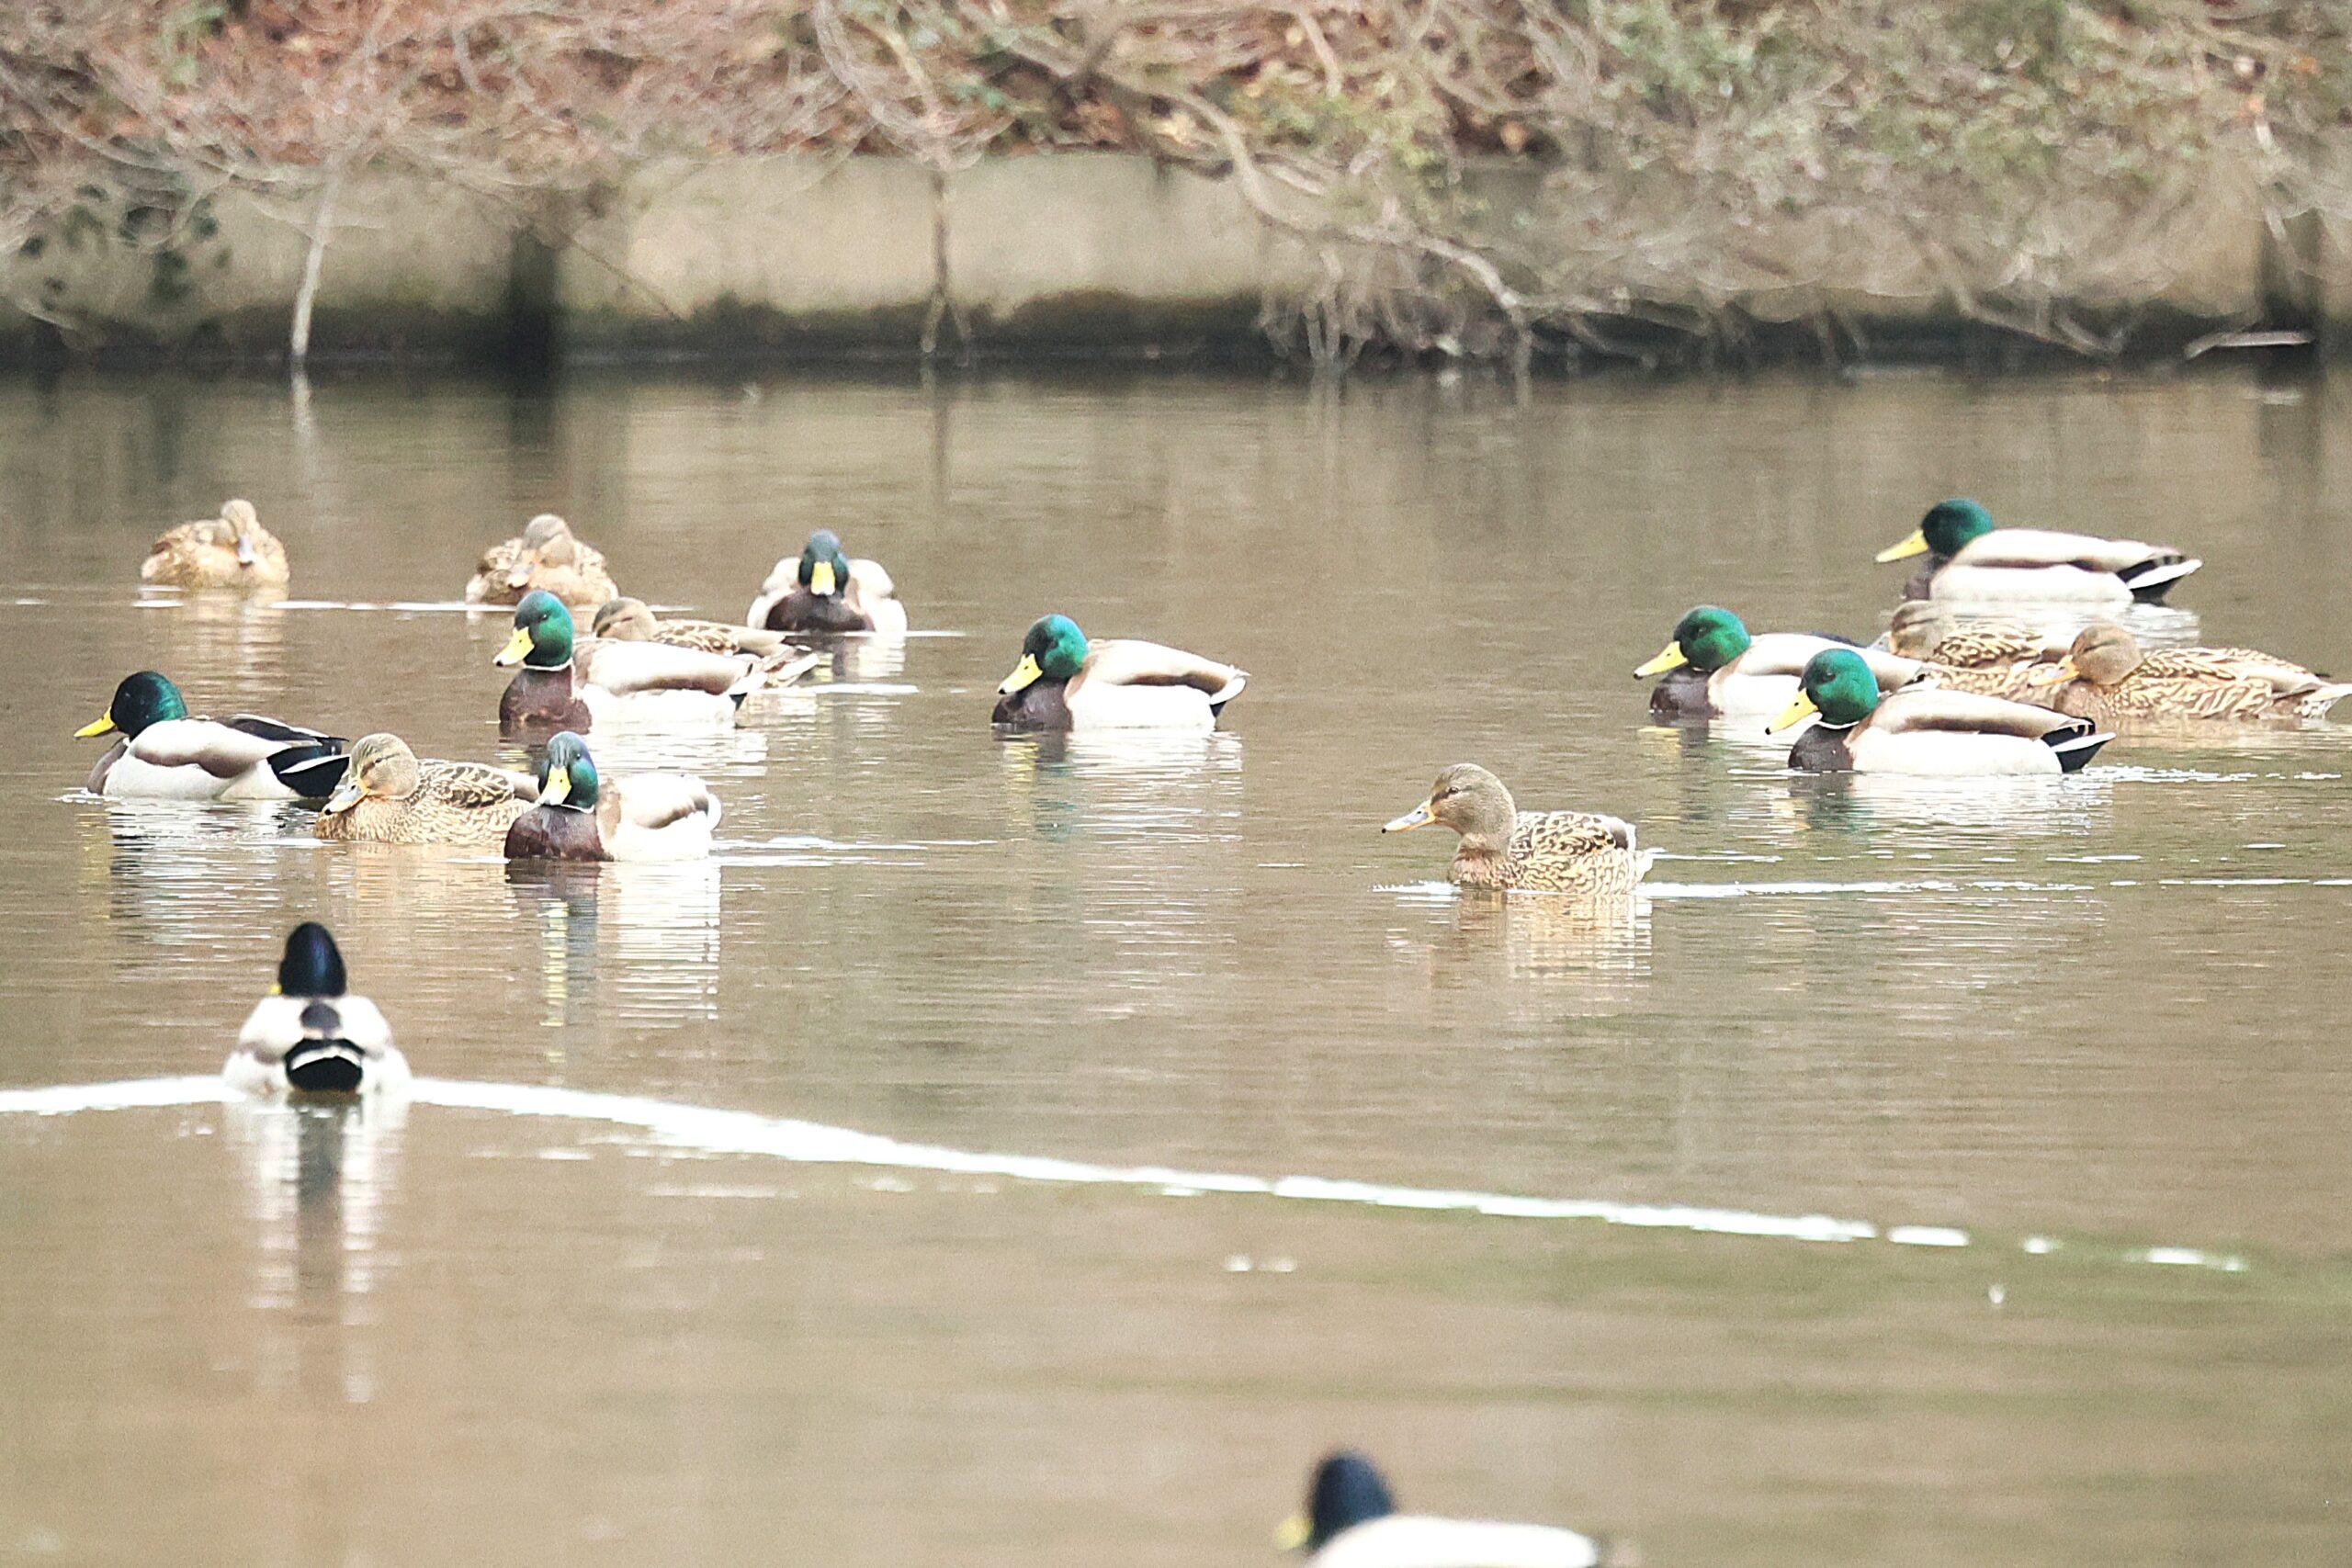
(2104, 1013)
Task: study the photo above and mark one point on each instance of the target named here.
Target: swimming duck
(1994, 658)
(547, 558)
(1537, 852)
(824, 591)
(567, 685)
(2105, 676)
(310, 1035)
(232, 550)
(165, 755)
(386, 796)
(648, 817)
(1714, 669)
(1352, 1522)
(1063, 682)
(1924, 729)
(1970, 560)
(630, 620)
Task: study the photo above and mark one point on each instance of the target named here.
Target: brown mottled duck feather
(453, 802)
(204, 554)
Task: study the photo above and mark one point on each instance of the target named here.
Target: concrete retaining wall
(785, 257)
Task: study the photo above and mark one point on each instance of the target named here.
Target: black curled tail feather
(2076, 744)
(312, 770)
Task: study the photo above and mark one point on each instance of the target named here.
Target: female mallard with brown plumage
(630, 620)
(566, 684)
(822, 591)
(547, 558)
(388, 796)
(1535, 851)
(232, 550)
(1993, 659)
(1970, 560)
(580, 816)
(1925, 730)
(1063, 682)
(1714, 669)
(2107, 676)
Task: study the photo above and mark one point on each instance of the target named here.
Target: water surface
(2017, 1039)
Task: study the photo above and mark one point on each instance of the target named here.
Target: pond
(1925, 1174)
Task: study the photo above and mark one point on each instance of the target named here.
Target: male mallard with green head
(1714, 669)
(566, 684)
(1970, 560)
(311, 1034)
(1925, 730)
(582, 817)
(164, 754)
(1536, 852)
(823, 591)
(1352, 1522)
(1064, 682)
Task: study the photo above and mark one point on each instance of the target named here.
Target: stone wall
(778, 257)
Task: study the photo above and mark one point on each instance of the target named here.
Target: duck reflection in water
(664, 922)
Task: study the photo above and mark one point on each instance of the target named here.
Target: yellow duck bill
(820, 579)
(1024, 675)
(2056, 675)
(517, 648)
(1293, 1533)
(1672, 658)
(98, 725)
(1917, 545)
(1419, 817)
(1795, 712)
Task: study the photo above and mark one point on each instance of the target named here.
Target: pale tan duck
(2107, 676)
(1536, 852)
(388, 796)
(232, 550)
(630, 620)
(1992, 659)
(549, 557)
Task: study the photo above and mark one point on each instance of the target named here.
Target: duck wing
(1556, 834)
(1930, 710)
(473, 786)
(629, 669)
(2139, 563)
(654, 801)
(1787, 653)
(1129, 662)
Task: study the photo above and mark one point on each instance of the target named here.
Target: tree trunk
(321, 225)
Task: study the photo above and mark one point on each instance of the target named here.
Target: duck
(1970, 560)
(568, 684)
(647, 816)
(1923, 730)
(1352, 1521)
(823, 590)
(232, 550)
(631, 620)
(1992, 658)
(1534, 851)
(164, 754)
(547, 558)
(388, 796)
(2105, 676)
(311, 1035)
(1714, 669)
(1063, 682)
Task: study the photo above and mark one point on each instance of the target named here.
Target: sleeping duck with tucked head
(1970, 560)
(823, 591)
(1506, 849)
(1925, 730)
(1064, 682)
(565, 684)
(1352, 1521)
(232, 550)
(582, 817)
(164, 754)
(311, 1035)
(1716, 669)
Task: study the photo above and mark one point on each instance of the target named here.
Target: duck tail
(312, 771)
(2315, 703)
(2151, 580)
(2077, 747)
(1226, 693)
